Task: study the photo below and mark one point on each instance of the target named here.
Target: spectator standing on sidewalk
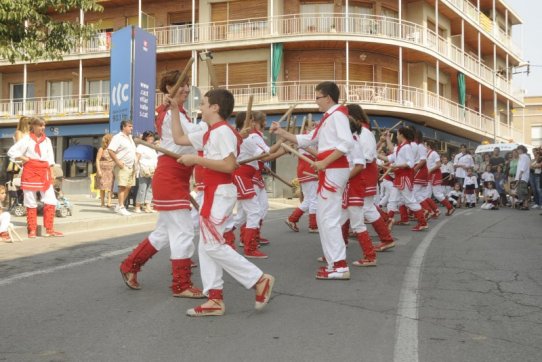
(535, 181)
(522, 176)
(462, 161)
(496, 159)
(500, 181)
(513, 165)
(147, 159)
(104, 171)
(122, 150)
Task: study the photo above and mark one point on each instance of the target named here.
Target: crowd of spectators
(512, 179)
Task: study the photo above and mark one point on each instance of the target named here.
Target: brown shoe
(263, 287)
(365, 262)
(192, 292)
(130, 279)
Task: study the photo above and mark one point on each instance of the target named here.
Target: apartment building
(444, 65)
(529, 118)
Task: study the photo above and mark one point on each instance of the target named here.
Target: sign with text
(120, 102)
(144, 85)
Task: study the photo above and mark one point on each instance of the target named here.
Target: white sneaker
(535, 206)
(117, 208)
(124, 212)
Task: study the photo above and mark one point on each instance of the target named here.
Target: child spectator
(456, 196)
(500, 181)
(487, 177)
(5, 217)
(470, 187)
(491, 197)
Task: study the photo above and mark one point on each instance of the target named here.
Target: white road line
(406, 324)
(110, 254)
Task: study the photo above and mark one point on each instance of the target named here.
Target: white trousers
(406, 196)
(355, 214)
(248, 211)
(216, 256)
(386, 188)
(263, 202)
(438, 192)
(370, 212)
(176, 229)
(419, 192)
(5, 219)
(328, 216)
(194, 214)
(48, 197)
(310, 199)
(470, 199)
(485, 206)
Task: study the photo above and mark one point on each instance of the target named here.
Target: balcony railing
(56, 107)
(381, 95)
(330, 24)
(486, 24)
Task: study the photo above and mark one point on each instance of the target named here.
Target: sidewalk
(88, 215)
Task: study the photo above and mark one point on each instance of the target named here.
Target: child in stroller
(64, 207)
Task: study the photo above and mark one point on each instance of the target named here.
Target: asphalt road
(469, 289)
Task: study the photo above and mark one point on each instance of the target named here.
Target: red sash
(212, 180)
(403, 178)
(171, 185)
(421, 176)
(304, 166)
(436, 177)
(341, 162)
(369, 179)
(355, 191)
(243, 180)
(36, 176)
(38, 141)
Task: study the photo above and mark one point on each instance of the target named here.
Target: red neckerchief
(342, 109)
(162, 111)
(38, 141)
(255, 131)
(365, 125)
(218, 124)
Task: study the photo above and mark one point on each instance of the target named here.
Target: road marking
(406, 324)
(110, 254)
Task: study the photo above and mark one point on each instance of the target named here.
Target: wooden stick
(311, 150)
(303, 125)
(396, 125)
(255, 158)
(212, 74)
(310, 174)
(180, 81)
(376, 124)
(287, 114)
(385, 174)
(269, 171)
(298, 154)
(309, 121)
(248, 115)
(166, 152)
(11, 232)
(288, 123)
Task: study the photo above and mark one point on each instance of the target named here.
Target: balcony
(59, 107)
(486, 24)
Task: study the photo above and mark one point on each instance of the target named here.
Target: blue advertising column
(144, 76)
(133, 79)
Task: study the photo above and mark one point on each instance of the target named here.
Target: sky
(531, 32)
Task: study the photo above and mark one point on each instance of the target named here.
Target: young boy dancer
(171, 185)
(435, 179)
(402, 165)
(220, 146)
(334, 140)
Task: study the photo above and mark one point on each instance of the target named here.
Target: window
(390, 13)
(536, 135)
(432, 87)
(316, 17)
(16, 91)
(59, 89)
(98, 86)
(147, 21)
(360, 10)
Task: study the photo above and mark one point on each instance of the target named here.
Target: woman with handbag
(147, 159)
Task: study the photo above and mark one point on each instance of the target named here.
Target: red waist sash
(403, 178)
(171, 185)
(36, 176)
(212, 179)
(243, 180)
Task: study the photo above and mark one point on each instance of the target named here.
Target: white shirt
(187, 126)
(488, 176)
(432, 159)
(470, 180)
(356, 155)
(404, 156)
(26, 147)
(222, 142)
(250, 148)
(333, 134)
(124, 147)
(492, 194)
(447, 168)
(465, 161)
(368, 143)
(524, 164)
(148, 158)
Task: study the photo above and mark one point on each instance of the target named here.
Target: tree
(29, 31)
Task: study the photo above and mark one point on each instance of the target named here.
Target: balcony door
(317, 18)
(98, 94)
(16, 98)
(59, 94)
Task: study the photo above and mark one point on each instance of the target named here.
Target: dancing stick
(298, 154)
(303, 125)
(376, 124)
(385, 174)
(211, 71)
(396, 125)
(287, 114)
(269, 171)
(180, 81)
(248, 115)
(169, 153)
(255, 158)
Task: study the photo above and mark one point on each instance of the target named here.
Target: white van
(504, 147)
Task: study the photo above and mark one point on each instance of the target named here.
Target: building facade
(443, 64)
